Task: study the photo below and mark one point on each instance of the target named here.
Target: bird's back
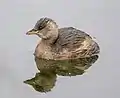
(72, 43)
(70, 38)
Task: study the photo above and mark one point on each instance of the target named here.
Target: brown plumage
(63, 43)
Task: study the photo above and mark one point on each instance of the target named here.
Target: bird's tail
(89, 48)
(94, 49)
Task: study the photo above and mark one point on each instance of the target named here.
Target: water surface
(99, 18)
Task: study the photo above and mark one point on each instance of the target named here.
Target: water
(99, 18)
(49, 70)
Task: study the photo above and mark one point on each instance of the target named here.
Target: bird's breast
(43, 51)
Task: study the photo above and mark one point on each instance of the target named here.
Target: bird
(62, 43)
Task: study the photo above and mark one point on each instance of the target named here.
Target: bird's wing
(70, 39)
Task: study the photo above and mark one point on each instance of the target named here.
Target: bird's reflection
(45, 80)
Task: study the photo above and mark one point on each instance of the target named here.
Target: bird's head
(44, 28)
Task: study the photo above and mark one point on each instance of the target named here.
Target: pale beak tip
(27, 33)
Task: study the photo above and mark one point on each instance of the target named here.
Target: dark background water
(100, 18)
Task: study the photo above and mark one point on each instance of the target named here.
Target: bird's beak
(32, 32)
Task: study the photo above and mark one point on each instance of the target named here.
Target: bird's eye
(40, 27)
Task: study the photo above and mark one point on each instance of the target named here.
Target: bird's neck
(51, 38)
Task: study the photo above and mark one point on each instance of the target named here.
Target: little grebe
(62, 43)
